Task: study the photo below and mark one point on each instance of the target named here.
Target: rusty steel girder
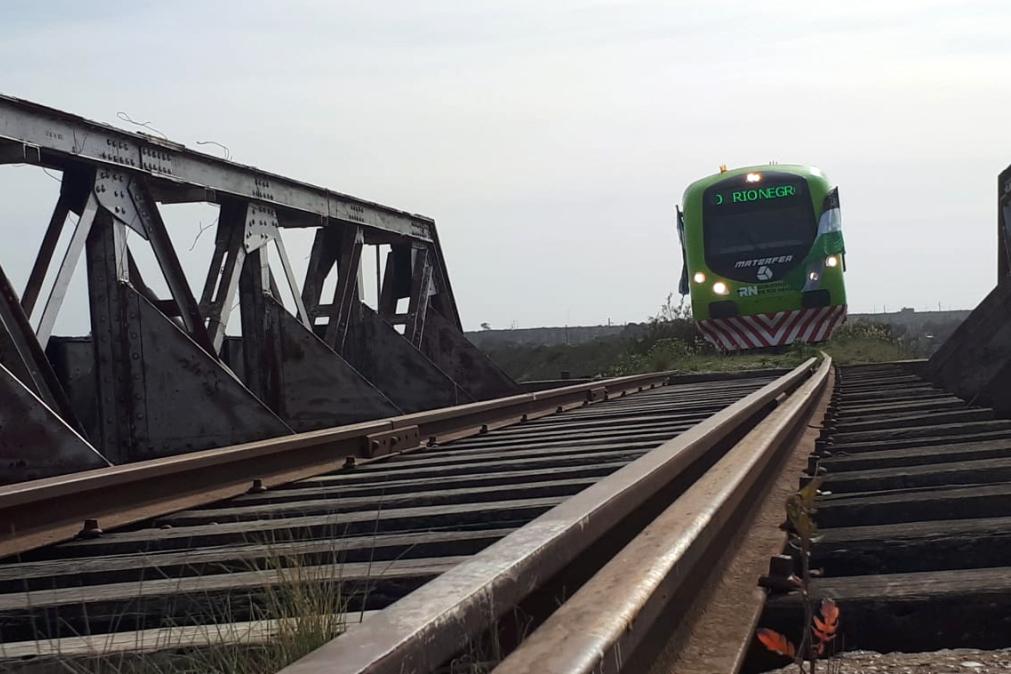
(159, 376)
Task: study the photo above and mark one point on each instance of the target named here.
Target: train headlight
(831, 261)
(753, 177)
(813, 276)
(699, 277)
(720, 288)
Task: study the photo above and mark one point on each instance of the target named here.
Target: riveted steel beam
(179, 174)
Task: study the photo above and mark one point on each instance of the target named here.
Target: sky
(551, 140)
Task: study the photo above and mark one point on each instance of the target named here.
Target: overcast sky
(550, 139)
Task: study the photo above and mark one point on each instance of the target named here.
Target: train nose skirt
(757, 331)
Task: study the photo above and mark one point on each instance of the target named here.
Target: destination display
(754, 194)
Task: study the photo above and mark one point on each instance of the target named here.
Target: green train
(763, 256)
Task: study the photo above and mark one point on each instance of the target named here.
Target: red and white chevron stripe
(762, 330)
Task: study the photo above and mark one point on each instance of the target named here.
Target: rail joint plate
(384, 442)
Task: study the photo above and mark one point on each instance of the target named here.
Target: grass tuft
(260, 631)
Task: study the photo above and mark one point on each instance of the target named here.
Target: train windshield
(757, 227)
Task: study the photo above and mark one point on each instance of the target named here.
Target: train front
(764, 257)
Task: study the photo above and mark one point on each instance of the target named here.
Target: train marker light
(720, 288)
(813, 276)
(699, 277)
(753, 177)
(831, 261)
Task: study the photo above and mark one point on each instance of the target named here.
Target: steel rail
(46, 511)
(599, 628)
(424, 629)
(544, 384)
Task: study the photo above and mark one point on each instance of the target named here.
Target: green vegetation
(302, 608)
(670, 341)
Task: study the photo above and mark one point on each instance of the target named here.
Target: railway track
(915, 519)
(478, 511)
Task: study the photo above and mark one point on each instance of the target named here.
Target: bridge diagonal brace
(396, 281)
(70, 259)
(222, 236)
(189, 311)
(168, 307)
(46, 251)
(322, 257)
(226, 268)
(346, 298)
(421, 292)
(289, 275)
(443, 300)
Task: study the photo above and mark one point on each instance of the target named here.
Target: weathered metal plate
(384, 442)
(318, 388)
(975, 362)
(399, 370)
(34, 441)
(73, 360)
(467, 365)
(175, 380)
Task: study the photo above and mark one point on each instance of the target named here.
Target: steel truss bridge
(158, 375)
